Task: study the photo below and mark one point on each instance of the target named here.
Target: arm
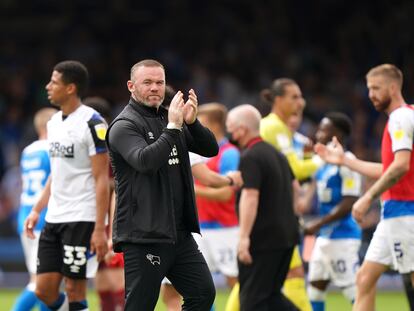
(99, 238)
(334, 154)
(280, 138)
(248, 205)
(366, 168)
(125, 139)
(398, 168)
(296, 196)
(208, 177)
(111, 215)
(33, 217)
(302, 169)
(200, 140)
(221, 194)
(110, 254)
(343, 208)
(306, 195)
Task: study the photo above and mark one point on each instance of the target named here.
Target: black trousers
(261, 282)
(184, 265)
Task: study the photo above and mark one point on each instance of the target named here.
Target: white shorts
(219, 248)
(335, 260)
(393, 244)
(30, 248)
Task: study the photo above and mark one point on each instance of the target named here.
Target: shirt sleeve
(401, 129)
(200, 139)
(302, 168)
(95, 139)
(279, 138)
(230, 159)
(251, 173)
(127, 141)
(351, 182)
(274, 135)
(196, 158)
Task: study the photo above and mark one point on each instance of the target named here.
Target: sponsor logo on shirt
(174, 160)
(59, 150)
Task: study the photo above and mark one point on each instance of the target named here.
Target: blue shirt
(35, 168)
(333, 183)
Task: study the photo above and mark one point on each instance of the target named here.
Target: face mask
(232, 141)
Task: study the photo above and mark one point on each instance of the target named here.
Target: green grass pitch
(386, 301)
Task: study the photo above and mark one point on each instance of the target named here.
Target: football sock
(233, 303)
(78, 305)
(317, 298)
(295, 290)
(26, 300)
(61, 304)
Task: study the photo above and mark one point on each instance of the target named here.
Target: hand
(243, 252)
(108, 257)
(190, 108)
(236, 177)
(312, 227)
(301, 206)
(99, 244)
(360, 207)
(175, 111)
(110, 254)
(332, 153)
(30, 224)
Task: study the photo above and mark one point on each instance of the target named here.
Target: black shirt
(267, 170)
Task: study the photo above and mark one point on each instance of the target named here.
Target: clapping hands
(180, 111)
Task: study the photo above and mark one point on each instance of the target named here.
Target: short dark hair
(277, 88)
(74, 72)
(341, 122)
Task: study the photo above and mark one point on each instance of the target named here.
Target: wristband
(173, 126)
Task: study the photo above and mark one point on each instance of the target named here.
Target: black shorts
(64, 248)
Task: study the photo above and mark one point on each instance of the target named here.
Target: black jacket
(139, 147)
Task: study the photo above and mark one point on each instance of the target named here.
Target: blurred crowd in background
(226, 50)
